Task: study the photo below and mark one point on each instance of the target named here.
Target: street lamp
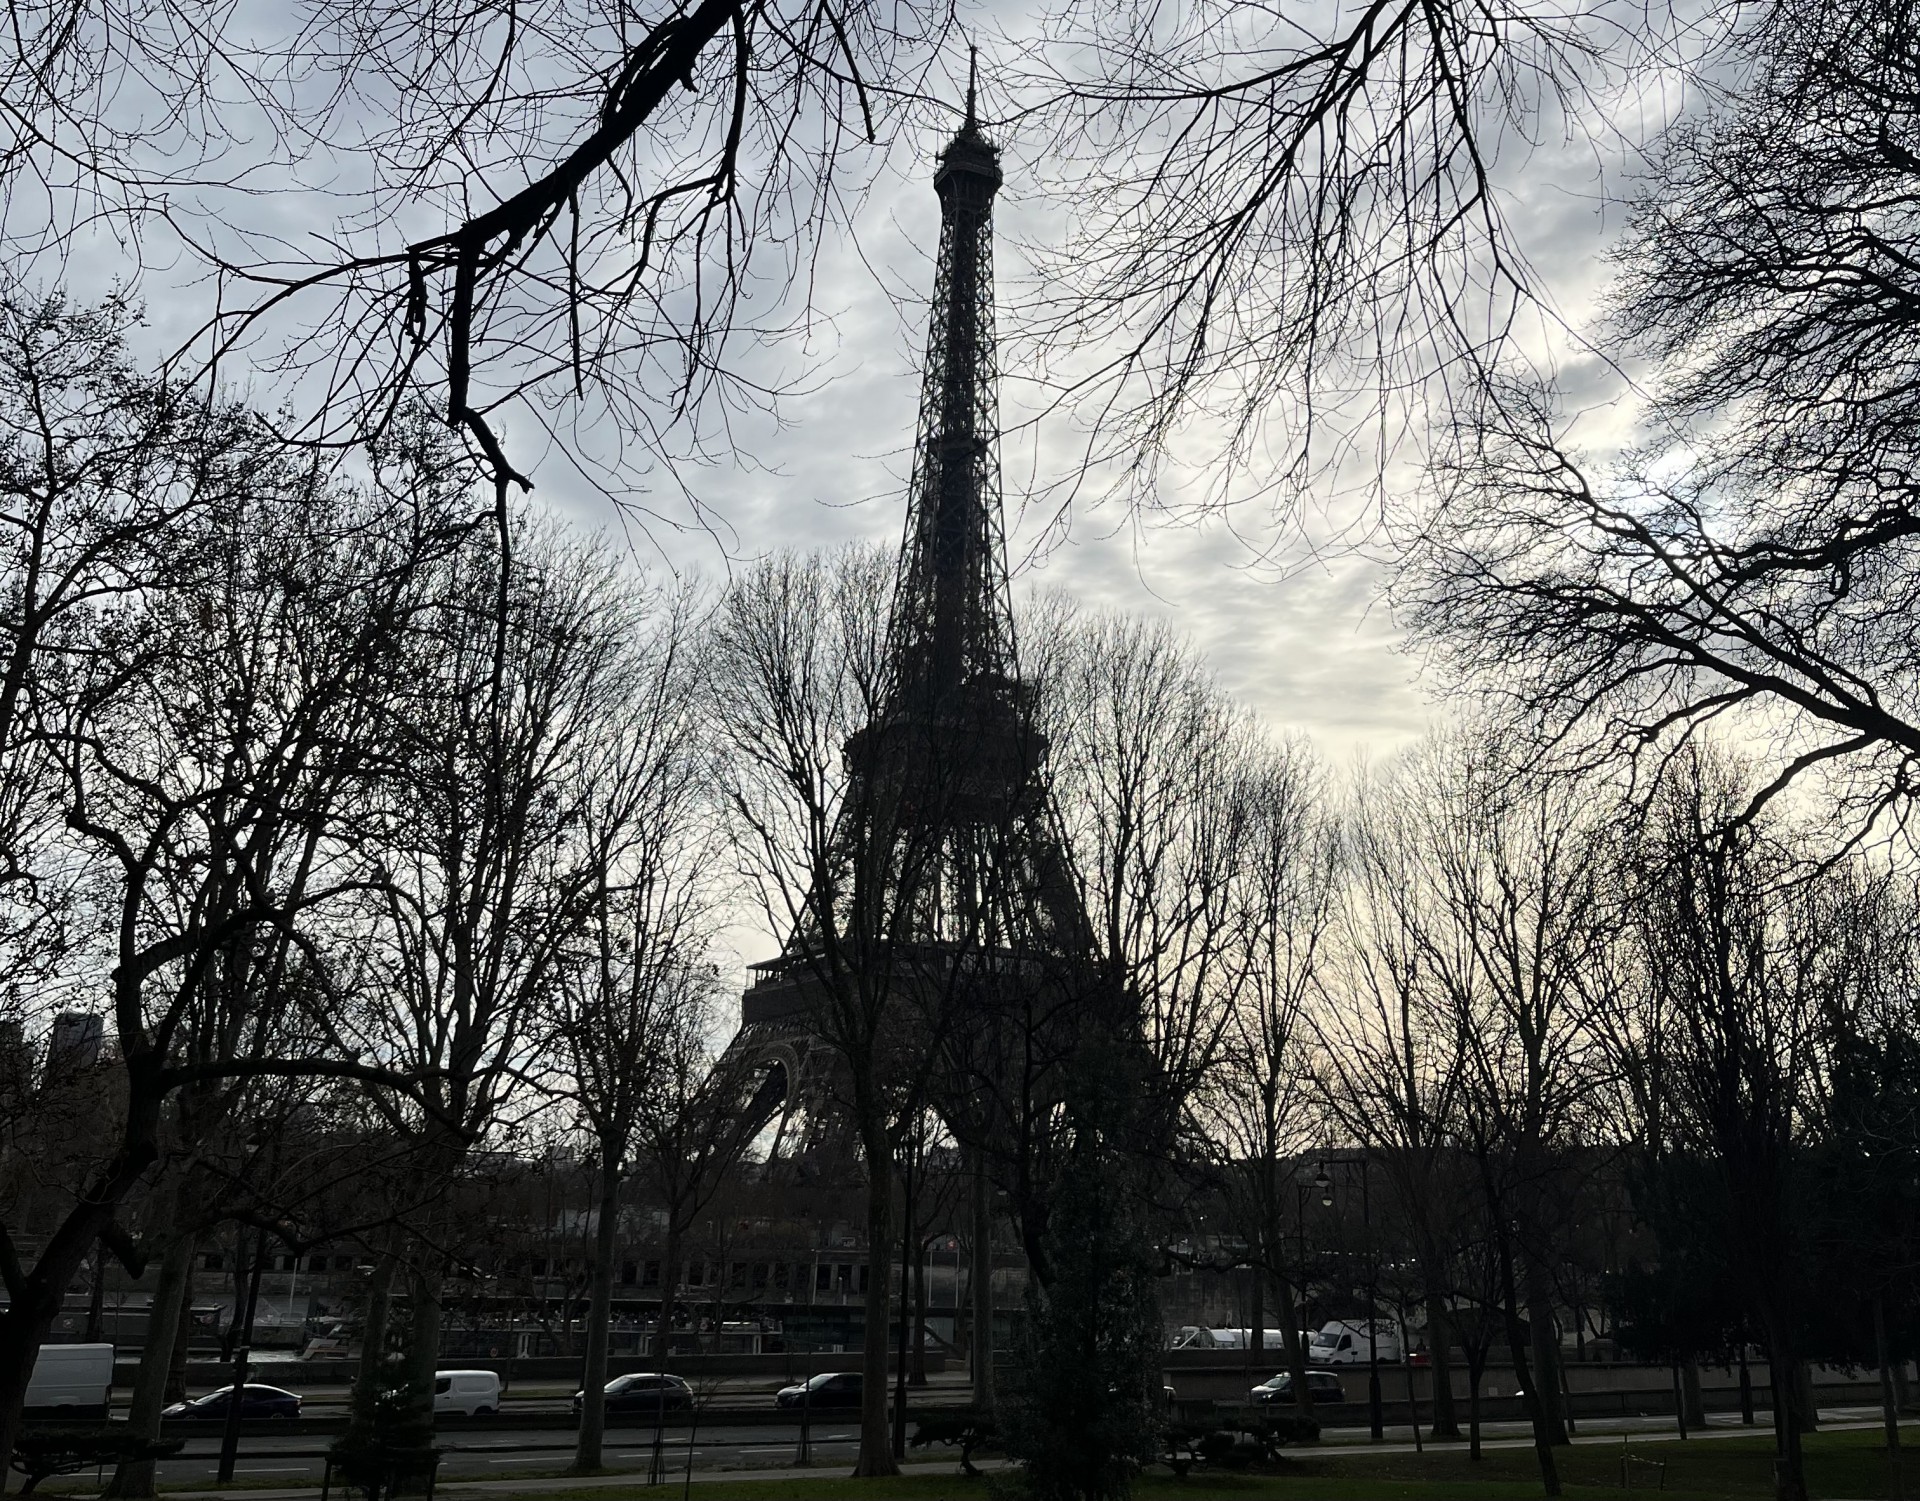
(1324, 1185)
(1375, 1418)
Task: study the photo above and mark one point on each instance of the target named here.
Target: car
(255, 1402)
(828, 1389)
(1322, 1386)
(643, 1393)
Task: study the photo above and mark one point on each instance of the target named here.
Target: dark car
(643, 1393)
(828, 1389)
(255, 1402)
(1323, 1386)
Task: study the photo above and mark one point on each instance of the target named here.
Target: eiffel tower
(980, 887)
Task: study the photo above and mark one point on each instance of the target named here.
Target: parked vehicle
(474, 1393)
(255, 1402)
(1345, 1342)
(70, 1381)
(828, 1389)
(1324, 1386)
(1193, 1337)
(642, 1393)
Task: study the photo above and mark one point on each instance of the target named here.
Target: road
(294, 1459)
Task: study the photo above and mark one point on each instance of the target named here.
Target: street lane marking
(271, 1469)
(531, 1459)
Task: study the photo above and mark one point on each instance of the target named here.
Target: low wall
(1598, 1389)
(297, 1374)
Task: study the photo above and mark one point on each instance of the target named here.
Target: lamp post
(1375, 1418)
(1323, 1185)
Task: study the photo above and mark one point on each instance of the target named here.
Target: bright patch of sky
(1287, 609)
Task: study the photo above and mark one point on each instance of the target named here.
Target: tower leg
(982, 1286)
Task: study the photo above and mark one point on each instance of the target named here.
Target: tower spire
(952, 621)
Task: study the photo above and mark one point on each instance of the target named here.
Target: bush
(1235, 1445)
(388, 1448)
(969, 1429)
(42, 1451)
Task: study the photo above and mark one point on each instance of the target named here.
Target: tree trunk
(1476, 1369)
(1293, 1346)
(1806, 1412)
(134, 1477)
(1529, 1385)
(1257, 1314)
(97, 1296)
(1889, 1406)
(373, 1333)
(669, 1283)
(1691, 1394)
(1546, 1356)
(876, 1448)
(1446, 1422)
(919, 1376)
(231, 1339)
(176, 1388)
(1790, 1468)
(425, 1281)
(907, 1239)
(36, 1302)
(23, 1328)
(593, 1378)
(982, 1289)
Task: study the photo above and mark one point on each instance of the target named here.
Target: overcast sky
(1295, 629)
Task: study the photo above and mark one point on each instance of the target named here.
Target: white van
(468, 1392)
(1346, 1342)
(70, 1381)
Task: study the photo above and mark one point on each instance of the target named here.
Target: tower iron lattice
(979, 897)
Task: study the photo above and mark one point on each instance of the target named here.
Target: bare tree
(693, 1126)
(834, 847)
(646, 175)
(101, 468)
(487, 864)
(204, 733)
(1258, 1098)
(1152, 776)
(1747, 952)
(1295, 224)
(1747, 565)
(1391, 1065)
(637, 985)
(1493, 890)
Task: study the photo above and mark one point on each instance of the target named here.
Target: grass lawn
(1849, 1465)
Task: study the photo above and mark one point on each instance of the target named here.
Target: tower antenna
(973, 58)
